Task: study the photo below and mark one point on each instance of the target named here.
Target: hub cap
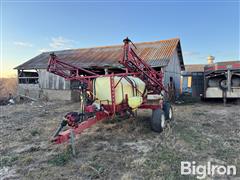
(163, 121)
(170, 113)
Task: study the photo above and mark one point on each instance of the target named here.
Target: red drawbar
(65, 135)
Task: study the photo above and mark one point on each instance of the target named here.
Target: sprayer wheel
(158, 120)
(168, 110)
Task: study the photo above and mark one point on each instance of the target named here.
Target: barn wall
(51, 94)
(51, 81)
(31, 90)
(54, 87)
(173, 70)
(34, 91)
(50, 87)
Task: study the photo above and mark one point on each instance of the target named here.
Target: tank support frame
(134, 65)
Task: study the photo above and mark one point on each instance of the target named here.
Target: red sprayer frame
(134, 65)
(147, 74)
(65, 135)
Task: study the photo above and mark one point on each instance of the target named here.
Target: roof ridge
(193, 64)
(116, 45)
(156, 53)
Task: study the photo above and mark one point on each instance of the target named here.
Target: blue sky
(204, 27)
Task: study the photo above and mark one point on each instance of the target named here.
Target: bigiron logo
(202, 171)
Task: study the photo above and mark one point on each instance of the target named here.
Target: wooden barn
(34, 80)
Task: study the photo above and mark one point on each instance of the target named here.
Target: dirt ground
(120, 149)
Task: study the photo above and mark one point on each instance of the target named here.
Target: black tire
(223, 84)
(168, 110)
(158, 120)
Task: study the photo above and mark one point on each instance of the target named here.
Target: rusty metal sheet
(194, 68)
(157, 54)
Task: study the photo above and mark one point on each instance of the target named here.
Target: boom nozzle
(127, 41)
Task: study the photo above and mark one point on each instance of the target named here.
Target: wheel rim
(162, 120)
(170, 113)
(223, 84)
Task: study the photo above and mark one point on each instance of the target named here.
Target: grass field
(120, 149)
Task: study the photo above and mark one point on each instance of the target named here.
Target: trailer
(222, 80)
(116, 94)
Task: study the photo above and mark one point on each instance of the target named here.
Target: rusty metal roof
(223, 63)
(194, 68)
(157, 54)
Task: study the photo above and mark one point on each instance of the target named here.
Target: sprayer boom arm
(147, 74)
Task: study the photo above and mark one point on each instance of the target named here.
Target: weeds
(24, 139)
(93, 170)
(8, 160)
(35, 132)
(193, 137)
(61, 158)
(199, 113)
(165, 162)
(27, 160)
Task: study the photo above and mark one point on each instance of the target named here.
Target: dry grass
(7, 85)
(120, 149)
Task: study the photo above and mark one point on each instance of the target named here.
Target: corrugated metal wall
(51, 81)
(193, 83)
(197, 84)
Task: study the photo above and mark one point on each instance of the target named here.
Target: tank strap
(122, 91)
(94, 87)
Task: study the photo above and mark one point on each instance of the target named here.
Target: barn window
(28, 77)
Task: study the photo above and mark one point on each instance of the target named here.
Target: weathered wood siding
(173, 70)
(31, 90)
(51, 81)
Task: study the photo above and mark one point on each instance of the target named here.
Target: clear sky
(204, 27)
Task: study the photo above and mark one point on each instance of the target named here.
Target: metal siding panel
(197, 85)
(194, 68)
(50, 80)
(40, 80)
(173, 70)
(67, 85)
(46, 80)
(57, 82)
(61, 83)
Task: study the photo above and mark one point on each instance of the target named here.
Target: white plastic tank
(210, 59)
(102, 89)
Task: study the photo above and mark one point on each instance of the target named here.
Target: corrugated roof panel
(156, 53)
(194, 67)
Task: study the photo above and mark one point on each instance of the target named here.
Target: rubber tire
(156, 121)
(167, 108)
(223, 87)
